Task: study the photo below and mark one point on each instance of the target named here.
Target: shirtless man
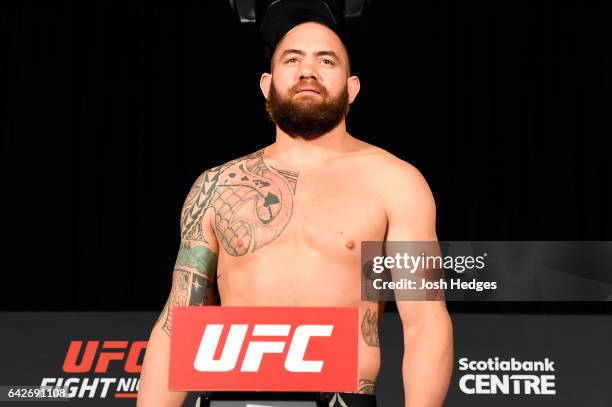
(283, 226)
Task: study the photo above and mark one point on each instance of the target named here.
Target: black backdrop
(109, 110)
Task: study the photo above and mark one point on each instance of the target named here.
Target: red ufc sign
(264, 349)
(112, 350)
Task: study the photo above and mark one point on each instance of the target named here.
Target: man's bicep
(193, 280)
(194, 275)
(411, 213)
(411, 209)
(196, 214)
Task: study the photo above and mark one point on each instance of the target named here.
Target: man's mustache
(309, 84)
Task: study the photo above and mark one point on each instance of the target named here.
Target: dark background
(109, 110)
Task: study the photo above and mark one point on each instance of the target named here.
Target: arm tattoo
(193, 281)
(366, 386)
(199, 258)
(369, 328)
(252, 202)
(193, 212)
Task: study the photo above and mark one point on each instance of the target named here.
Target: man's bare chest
(336, 212)
(257, 205)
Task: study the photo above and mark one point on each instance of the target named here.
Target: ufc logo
(112, 350)
(255, 350)
(227, 348)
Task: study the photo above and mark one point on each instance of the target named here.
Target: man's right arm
(193, 283)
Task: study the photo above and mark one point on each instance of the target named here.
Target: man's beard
(305, 116)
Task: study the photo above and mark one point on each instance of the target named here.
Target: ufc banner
(264, 348)
(512, 360)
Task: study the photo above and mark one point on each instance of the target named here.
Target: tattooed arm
(193, 284)
(427, 328)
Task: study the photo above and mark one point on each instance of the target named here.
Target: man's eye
(292, 60)
(328, 61)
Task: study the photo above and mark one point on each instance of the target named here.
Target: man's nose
(307, 71)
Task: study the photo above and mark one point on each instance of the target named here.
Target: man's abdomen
(307, 284)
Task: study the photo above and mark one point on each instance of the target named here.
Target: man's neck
(306, 153)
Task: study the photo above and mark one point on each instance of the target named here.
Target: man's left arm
(427, 327)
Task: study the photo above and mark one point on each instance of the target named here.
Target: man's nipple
(350, 245)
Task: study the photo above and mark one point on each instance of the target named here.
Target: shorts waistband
(321, 399)
(273, 395)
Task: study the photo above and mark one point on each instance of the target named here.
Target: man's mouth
(308, 91)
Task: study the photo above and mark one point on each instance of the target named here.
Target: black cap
(282, 15)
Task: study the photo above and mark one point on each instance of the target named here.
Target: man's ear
(354, 86)
(264, 84)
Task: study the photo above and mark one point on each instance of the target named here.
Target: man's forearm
(428, 361)
(193, 285)
(153, 388)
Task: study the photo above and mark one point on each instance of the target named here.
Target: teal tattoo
(199, 258)
(193, 281)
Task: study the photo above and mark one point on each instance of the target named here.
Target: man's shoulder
(214, 172)
(254, 156)
(388, 166)
(207, 181)
(397, 180)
